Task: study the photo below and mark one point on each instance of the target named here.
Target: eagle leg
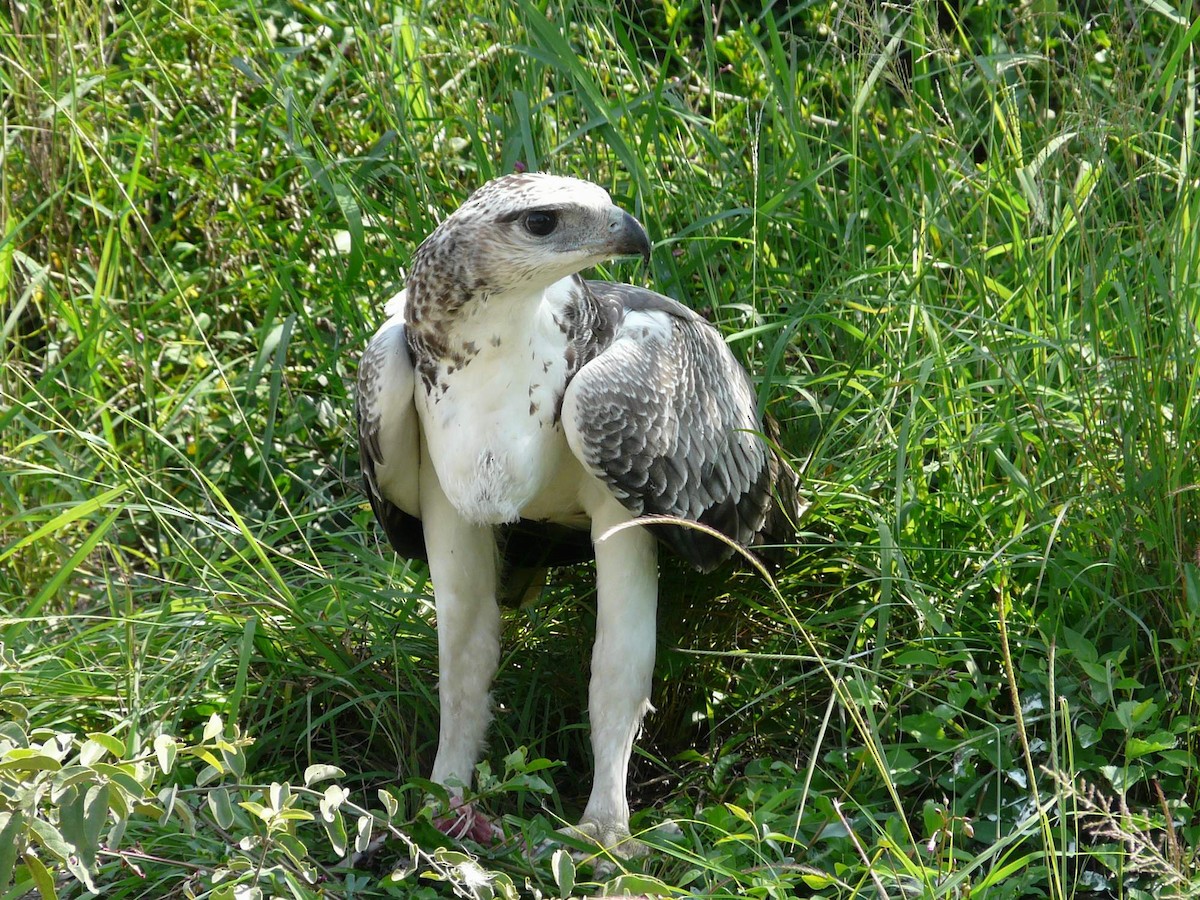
(622, 663)
(462, 566)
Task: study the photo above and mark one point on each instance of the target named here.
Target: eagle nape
(508, 408)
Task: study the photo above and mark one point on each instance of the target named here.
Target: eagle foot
(612, 838)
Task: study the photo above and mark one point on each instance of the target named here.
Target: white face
(532, 230)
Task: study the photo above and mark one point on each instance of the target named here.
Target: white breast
(493, 434)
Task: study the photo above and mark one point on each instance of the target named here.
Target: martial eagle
(513, 414)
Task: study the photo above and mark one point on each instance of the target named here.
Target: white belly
(497, 449)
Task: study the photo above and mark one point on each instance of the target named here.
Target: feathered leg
(622, 666)
(462, 565)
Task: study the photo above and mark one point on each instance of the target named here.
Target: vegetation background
(956, 243)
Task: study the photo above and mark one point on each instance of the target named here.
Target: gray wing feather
(389, 433)
(665, 417)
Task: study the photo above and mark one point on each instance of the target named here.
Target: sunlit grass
(959, 254)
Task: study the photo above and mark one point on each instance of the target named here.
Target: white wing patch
(395, 305)
(646, 325)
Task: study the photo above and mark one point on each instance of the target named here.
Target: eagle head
(528, 231)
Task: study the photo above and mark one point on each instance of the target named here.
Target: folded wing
(665, 417)
(389, 433)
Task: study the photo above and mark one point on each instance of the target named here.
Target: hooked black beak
(628, 237)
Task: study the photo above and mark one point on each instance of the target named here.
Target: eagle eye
(541, 222)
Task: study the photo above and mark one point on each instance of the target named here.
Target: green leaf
(295, 848)
(1086, 735)
(563, 868)
(817, 881)
(320, 772)
(77, 867)
(41, 876)
(739, 812)
(15, 710)
(234, 759)
(91, 753)
(295, 815)
(280, 793)
(208, 774)
(116, 833)
(166, 748)
(21, 759)
(120, 802)
(335, 827)
(637, 884)
(332, 800)
(452, 857)
(257, 809)
(353, 214)
(167, 797)
(95, 814)
(222, 809)
(1191, 582)
(1083, 649)
(14, 734)
(933, 815)
(1132, 713)
(214, 728)
(123, 777)
(362, 839)
(70, 822)
(390, 803)
(502, 883)
(50, 838)
(207, 756)
(111, 743)
(919, 657)
(10, 827)
(74, 774)
(1155, 743)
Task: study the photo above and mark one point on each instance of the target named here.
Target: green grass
(955, 243)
